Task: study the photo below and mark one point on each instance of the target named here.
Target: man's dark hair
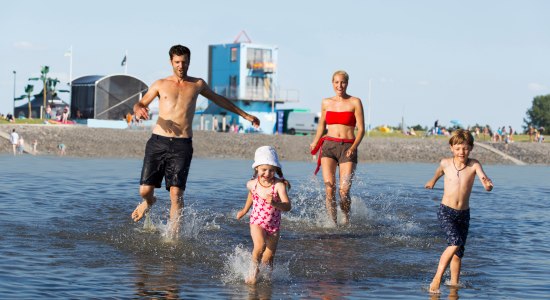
(180, 51)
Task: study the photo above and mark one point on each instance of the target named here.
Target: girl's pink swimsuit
(263, 213)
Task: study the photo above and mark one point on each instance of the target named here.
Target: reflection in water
(159, 281)
(328, 290)
(260, 291)
(453, 294)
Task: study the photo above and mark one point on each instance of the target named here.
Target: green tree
(44, 78)
(539, 114)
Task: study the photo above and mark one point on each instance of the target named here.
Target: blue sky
(473, 61)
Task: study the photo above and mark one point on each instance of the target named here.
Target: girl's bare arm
(246, 207)
(284, 205)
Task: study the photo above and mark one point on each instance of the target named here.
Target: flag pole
(369, 108)
(71, 67)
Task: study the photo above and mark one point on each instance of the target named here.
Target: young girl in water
(267, 196)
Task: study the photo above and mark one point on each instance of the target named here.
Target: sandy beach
(82, 141)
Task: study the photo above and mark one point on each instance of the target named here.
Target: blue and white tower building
(246, 74)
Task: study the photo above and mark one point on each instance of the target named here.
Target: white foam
(238, 264)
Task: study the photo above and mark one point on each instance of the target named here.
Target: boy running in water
(454, 210)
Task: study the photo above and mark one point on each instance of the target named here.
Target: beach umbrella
(456, 123)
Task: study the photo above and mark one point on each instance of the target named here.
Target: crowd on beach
(486, 133)
(60, 114)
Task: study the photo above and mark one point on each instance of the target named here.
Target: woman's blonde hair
(341, 72)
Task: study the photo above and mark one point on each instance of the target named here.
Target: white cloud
(25, 45)
(536, 87)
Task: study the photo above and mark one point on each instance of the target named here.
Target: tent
(105, 97)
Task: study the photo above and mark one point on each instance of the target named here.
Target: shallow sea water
(66, 232)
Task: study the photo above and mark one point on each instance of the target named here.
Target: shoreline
(87, 142)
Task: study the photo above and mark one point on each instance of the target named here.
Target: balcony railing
(259, 94)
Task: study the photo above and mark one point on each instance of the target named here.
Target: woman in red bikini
(341, 115)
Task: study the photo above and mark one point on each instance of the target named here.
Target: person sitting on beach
(65, 116)
(454, 210)
(169, 151)
(268, 197)
(340, 114)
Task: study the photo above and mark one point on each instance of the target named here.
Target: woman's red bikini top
(340, 117)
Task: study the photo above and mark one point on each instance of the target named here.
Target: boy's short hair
(179, 50)
(461, 136)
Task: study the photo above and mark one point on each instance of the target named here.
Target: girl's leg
(258, 238)
(328, 166)
(444, 261)
(269, 253)
(347, 171)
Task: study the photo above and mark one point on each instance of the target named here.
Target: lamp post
(14, 75)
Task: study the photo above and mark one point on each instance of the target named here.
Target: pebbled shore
(125, 143)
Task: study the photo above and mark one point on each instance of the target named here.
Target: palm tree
(44, 77)
(51, 83)
(28, 90)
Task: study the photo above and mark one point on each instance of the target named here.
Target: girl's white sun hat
(266, 155)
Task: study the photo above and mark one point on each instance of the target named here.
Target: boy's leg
(258, 238)
(456, 263)
(176, 209)
(147, 193)
(328, 166)
(346, 178)
(444, 261)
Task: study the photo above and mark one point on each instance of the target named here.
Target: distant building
(105, 97)
(245, 73)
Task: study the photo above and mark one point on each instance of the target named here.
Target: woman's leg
(328, 166)
(347, 170)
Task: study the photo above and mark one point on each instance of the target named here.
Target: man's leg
(147, 193)
(176, 209)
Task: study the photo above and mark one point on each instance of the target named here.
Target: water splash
(193, 223)
(238, 264)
